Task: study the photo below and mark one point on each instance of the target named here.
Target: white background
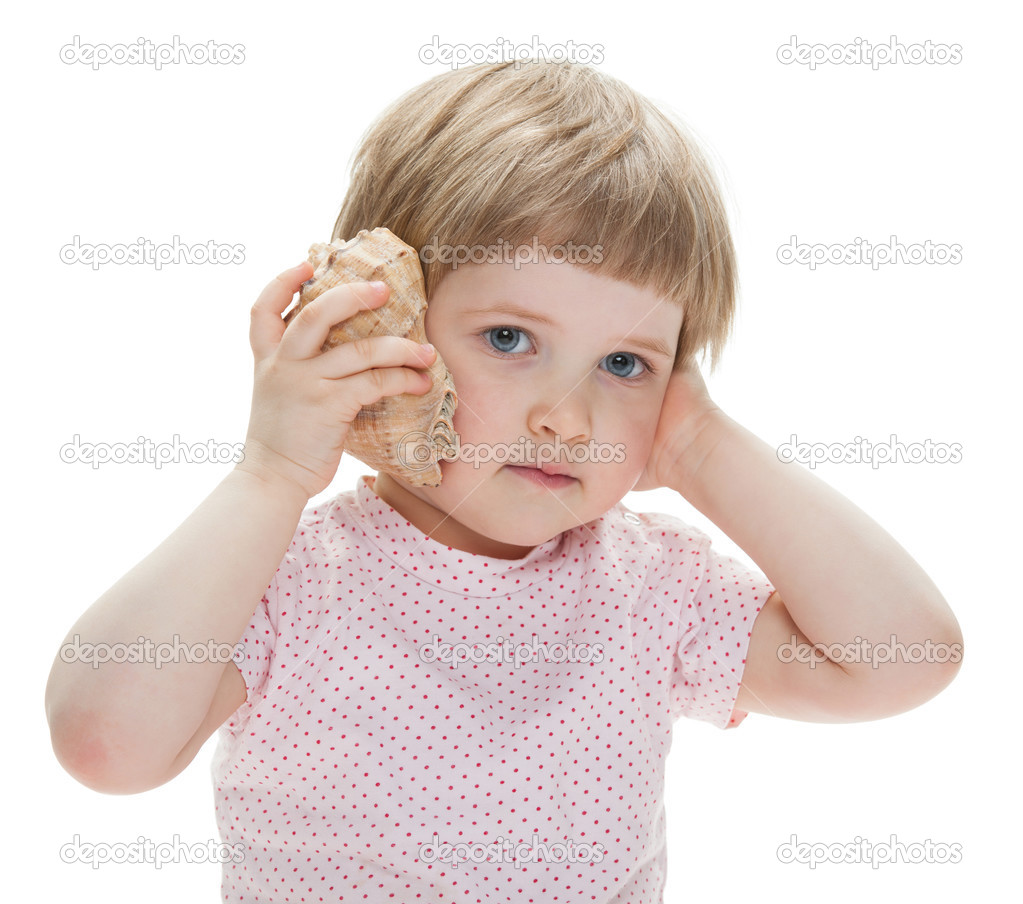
(256, 154)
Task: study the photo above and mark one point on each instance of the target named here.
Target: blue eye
(506, 342)
(621, 363)
(502, 338)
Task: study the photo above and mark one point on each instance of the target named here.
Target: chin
(524, 535)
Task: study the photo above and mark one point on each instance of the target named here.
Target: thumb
(267, 327)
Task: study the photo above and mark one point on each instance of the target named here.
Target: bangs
(557, 156)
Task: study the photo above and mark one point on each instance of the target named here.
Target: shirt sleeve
(254, 654)
(721, 599)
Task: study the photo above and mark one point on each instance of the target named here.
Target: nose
(561, 407)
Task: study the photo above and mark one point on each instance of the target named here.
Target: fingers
(308, 331)
(373, 368)
(371, 386)
(377, 352)
(370, 368)
(267, 327)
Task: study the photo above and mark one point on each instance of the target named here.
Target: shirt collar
(450, 569)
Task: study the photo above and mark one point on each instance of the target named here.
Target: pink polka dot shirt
(426, 724)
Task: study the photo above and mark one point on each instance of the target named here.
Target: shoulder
(658, 554)
(323, 523)
(655, 536)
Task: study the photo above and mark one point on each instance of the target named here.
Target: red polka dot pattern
(353, 750)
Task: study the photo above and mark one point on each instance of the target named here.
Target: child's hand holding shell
(304, 399)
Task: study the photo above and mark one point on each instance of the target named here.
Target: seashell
(405, 435)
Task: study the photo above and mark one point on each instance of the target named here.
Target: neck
(439, 525)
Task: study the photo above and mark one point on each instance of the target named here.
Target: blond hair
(556, 153)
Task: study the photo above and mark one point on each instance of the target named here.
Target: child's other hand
(684, 412)
(303, 399)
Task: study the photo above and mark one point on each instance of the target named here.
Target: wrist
(255, 467)
(704, 432)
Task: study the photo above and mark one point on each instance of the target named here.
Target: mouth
(547, 476)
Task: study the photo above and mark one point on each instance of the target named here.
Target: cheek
(633, 427)
(484, 401)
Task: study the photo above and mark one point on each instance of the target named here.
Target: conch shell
(405, 435)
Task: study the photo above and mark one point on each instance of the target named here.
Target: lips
(551, 470)
(549, 476)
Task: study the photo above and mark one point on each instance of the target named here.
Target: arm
(121, 727)
(839, 575)
(128, 726)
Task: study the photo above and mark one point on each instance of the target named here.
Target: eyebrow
(656, 346)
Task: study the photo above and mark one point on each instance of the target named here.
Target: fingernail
(426, 347)
(377, 285)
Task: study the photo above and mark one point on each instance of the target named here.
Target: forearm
(200, 585)
(840, 575)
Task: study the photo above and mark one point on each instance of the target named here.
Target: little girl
(467, 692)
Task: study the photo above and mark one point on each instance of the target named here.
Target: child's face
(578, 379)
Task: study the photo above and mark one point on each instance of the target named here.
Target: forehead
(559, 297)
